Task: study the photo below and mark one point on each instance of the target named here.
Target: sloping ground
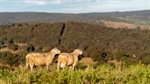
(5, 49)
(91, 38)
(4, 65)
(10, 50)
(118, 24)
(124, 25)
(70, 35)
(37, 17)
(87, 61)
(145, 27)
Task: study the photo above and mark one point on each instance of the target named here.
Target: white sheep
(68, 59)
(35, 59)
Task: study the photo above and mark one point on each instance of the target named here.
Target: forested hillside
(99, 42)
(138, 18)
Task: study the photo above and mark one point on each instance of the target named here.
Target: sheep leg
(31, 67)
(63, 68)
(47, 67)
(73, 66)
(27, 64)
(63, 64)
(70, 67)
(58, 66)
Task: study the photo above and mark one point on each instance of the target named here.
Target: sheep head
(56, 51)
(77, 52)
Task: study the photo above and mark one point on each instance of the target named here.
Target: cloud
(74, 6)
(55, 2)
(108, 6)
(81, 1)
(36, 2)
(68, 1)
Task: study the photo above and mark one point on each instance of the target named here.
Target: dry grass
(87, 61)
(101, 74)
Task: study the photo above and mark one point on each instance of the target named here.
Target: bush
(146, 59)
(30, 48)
(120, 55)
(97, 56)
(2, 45)
(71, 35)
(81, 66)
(21, 57)
(6, 57)
(13, 46)
(13, 59)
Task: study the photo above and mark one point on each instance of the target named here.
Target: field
(96, 74)
(110, 38)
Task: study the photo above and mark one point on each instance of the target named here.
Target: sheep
(35, 59)
(68, 59)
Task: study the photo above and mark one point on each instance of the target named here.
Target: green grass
(101, 74)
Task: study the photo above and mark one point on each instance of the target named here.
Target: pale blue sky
(73, 6)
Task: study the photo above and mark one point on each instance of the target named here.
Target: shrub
(70, 35)
(6, 57)
(146, 59)
(3, 56)
(30, 48)
(13, 59)
(13, 46)
(81, 66)
(21, 57)
(2, 45)
(120, 55)
(97, 56)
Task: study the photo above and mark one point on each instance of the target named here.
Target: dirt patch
(87, 61)
(118, 24)
(146, 27)
(2, 65)
(9, 50)
(21, 44)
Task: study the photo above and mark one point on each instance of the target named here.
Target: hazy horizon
(73, 6)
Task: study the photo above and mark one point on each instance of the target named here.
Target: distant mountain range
(133, 17)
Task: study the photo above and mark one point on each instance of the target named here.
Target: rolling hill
(101, 36)
(97, 41)
(140, 19)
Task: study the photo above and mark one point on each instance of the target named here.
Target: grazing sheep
(68, 59)
(35, 59)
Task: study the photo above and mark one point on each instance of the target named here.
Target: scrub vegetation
(128, 47)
